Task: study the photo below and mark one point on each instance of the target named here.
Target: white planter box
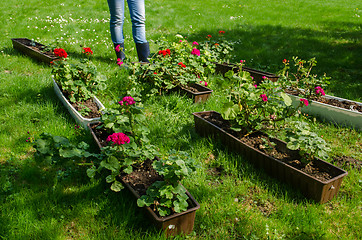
(75, 114)
(337, 115)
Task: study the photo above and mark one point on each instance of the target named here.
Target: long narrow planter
(24, 45)
(178, 223)
(258, 75)
(313, 188)
(75, 114)
(201, 96)
(336, 115)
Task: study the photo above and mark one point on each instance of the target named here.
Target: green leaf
(229, 74)
(111, 163)
(286, 98)
(62, 140)
(180, 206)
(116, 186)
(163, 211)
(293, 145)
(109, 125)
(128, 170)
(91, 172)
(230, 111)
(110, 178)
(70, 153)
(42, 146)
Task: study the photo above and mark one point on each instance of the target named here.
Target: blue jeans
(138, 18)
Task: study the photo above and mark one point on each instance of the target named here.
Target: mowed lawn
(237, 200)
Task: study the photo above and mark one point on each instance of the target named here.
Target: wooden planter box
(311, 187)
(199, 97)
(73, 112)
(178, 223)
(336, 115)
(33, 49)
(222, 68)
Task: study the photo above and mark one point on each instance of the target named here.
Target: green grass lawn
(237, 200)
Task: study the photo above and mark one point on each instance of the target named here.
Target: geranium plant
(169, 196)
(252, 107)
(58, 150)
(297, 77)
(178, 63)
(79, 80)
(128, 142)
(310, 145)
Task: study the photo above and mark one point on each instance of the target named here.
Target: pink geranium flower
(128, 100)
(119, 62)
(118, 138)
(319, 90)
(195, 51)
(305, 101)
(195, 43)
(118, 48)
(203, 83)
(264, 97)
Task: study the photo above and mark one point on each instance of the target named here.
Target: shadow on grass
(337, 48)
(66, 205)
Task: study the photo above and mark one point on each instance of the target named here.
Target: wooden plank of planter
(23, 45)
(199, 97)
(256, 74)
(177, 223)
(311, 187)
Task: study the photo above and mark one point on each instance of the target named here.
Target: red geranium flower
(60, 52)
(164, 52)
(181, 64)
(87, 50)
(221, 32)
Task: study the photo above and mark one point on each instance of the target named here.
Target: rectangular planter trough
(199, 97)
(333, 114)
(24, 46)
(319, 191)
(177, 223)
(258, 75)
(75, 114)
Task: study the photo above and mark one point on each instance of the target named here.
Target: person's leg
(116, 9)
(138, 18)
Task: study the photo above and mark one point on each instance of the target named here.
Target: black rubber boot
(119, 48)
(143, 51)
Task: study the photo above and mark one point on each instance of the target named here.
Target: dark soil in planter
(346, 162)
(79, 106)
(142, 177)
(37, 47)
(91, 105)
(190, 88)
(265, 144)
(101, 133)
(334, 102)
